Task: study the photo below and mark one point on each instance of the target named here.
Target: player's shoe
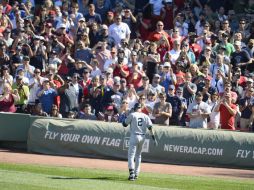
(131, 177)
(136, 177)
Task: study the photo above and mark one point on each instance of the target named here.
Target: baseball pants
(135, 148)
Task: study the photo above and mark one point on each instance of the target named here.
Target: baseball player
(139, 123)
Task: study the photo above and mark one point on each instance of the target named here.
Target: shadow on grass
(90, 178)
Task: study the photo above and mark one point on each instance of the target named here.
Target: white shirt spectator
(119, 32)
(34, 89)
(199, 121)
(214, 116)
(173, 55)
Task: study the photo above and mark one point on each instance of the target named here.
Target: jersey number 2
(140, 122)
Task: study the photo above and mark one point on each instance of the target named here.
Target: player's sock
(132, 175)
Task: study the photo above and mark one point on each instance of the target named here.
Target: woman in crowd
(8, 99)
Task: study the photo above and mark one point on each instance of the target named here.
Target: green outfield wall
(176, 145)
(103, 139)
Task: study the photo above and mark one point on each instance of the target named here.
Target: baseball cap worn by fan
(123, 80)
(117, 80)
(250, 80)
(180, 89)
(166, 64)
(18, 77)
(110, 13)
(68, 78)
(110, 108)
(157, 76)
(171, 87)
(223, 47)
(82, 19)
(5, 67)
(26, 58)
(62, 26)
(109, 70)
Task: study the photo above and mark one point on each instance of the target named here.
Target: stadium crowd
(189, 63)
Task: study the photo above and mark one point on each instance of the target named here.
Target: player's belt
(139, 134)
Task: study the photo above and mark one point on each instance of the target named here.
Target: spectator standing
(28, 69)
(119, 30)
(152, 61)
(198, 112)
(174, 53)
(5, 75)
(23, 91)
(94, 34)
(219, 66)
(92, 16)
(144, 23)
(168, 77)
(68, 98)
(176, 104)
(189, 89)
(39, 53)
(83, 52)
(227, 112)
(130, 20)
(246, 105)
(224, 42)
(214, 117)
(103, 54)
(162, 110)
(120, 69)
(158, 33)
(78, 87)
(240, 58)
(8, 99)
(46, 96)
(243, 29)
(155, 86)
(123, 111)
(35, 84)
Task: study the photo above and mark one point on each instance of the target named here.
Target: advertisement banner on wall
(175, 145)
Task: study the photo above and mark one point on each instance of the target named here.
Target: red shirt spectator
(121, 70)
(227, 120)
(227, 112)
(6, 7)
(135, 78)
(162, 50)
(158, 33)
(144, 26)
(167, 15)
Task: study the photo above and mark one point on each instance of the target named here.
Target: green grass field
(32, 177)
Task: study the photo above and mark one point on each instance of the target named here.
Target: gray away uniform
(139, 123)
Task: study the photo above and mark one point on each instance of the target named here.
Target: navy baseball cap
(137, 106)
